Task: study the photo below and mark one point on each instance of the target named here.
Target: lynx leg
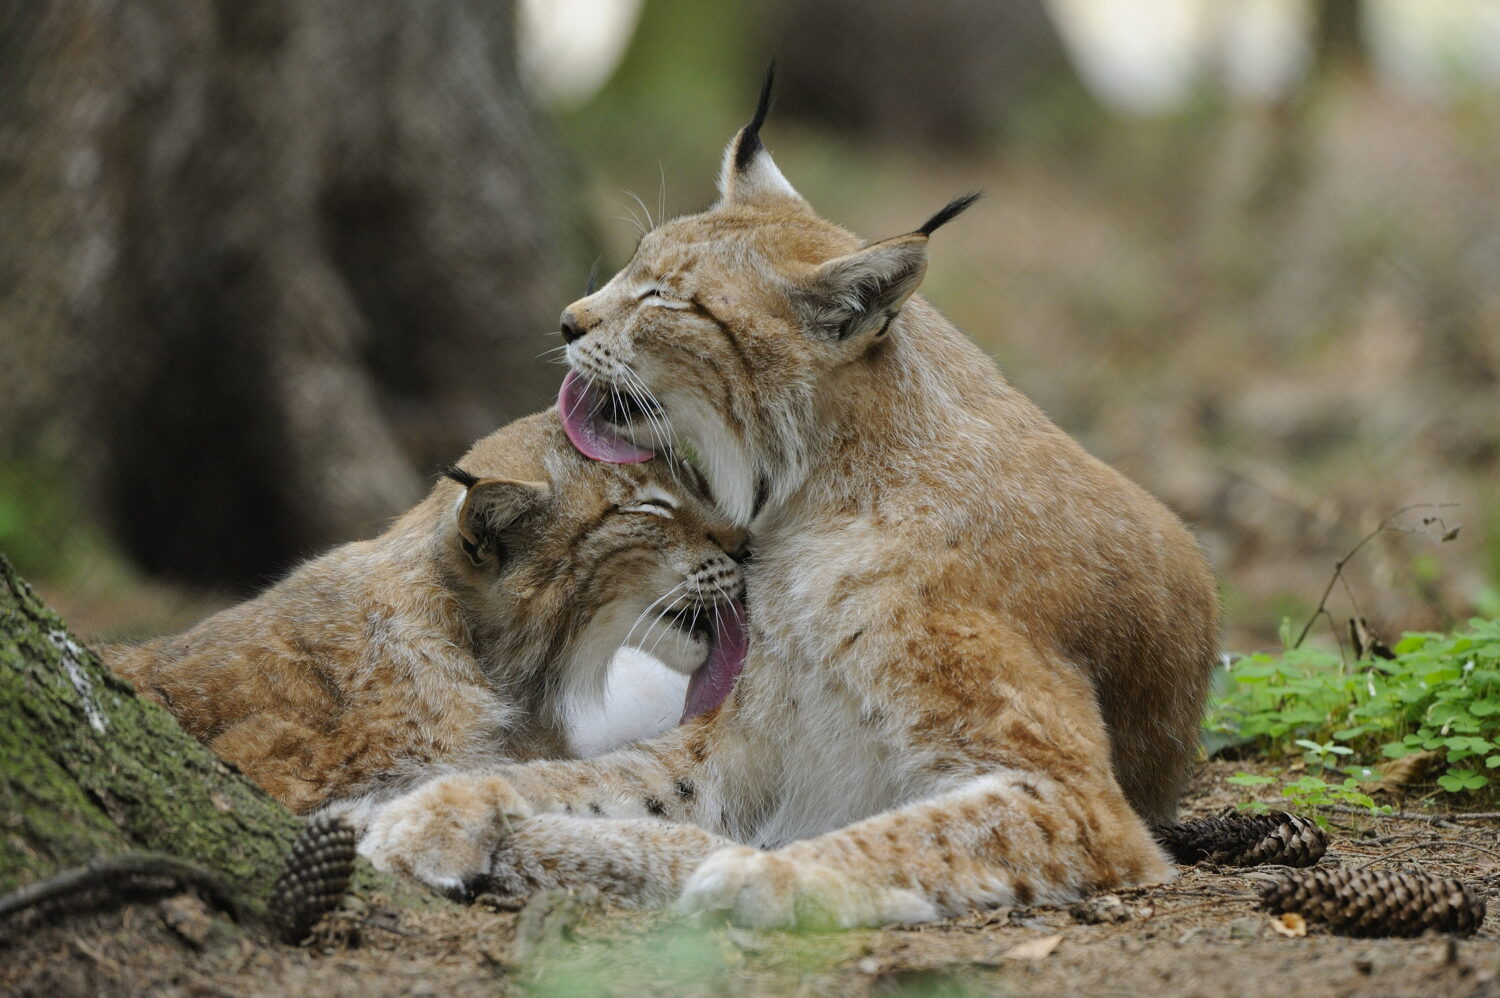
(1021, 804)
(1003, 838)
(634, 863)
(446, 831)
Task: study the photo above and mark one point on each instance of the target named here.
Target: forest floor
(1202, 934)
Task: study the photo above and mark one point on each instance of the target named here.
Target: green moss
(90, 769)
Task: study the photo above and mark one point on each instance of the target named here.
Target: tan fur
(388, 660)
(967, 634)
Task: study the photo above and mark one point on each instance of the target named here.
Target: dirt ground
(1200, 935)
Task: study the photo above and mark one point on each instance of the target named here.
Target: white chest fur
(816, 600)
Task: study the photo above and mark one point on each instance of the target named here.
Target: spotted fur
(462, 635)
(973, 646)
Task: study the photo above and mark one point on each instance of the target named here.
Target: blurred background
(265, 264)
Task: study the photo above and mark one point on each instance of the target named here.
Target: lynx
(976, 656)
(461, 635)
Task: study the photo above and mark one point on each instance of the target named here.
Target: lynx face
(728, 328)
(567, 570)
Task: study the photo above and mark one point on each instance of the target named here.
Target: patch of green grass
(1439, 693)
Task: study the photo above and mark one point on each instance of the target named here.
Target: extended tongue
(712, 681)
(577, 405)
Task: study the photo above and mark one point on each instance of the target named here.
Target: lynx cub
(460, 635)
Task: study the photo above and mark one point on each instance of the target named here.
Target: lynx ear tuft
(748, 173)
(950, 211)
(489, 507)
(459, 475)
(748, 143)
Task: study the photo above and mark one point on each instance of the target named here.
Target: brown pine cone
(1376, 902)
(1245, 840)
(315, 878)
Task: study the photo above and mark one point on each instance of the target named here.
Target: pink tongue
(576, 405)
(712, 681)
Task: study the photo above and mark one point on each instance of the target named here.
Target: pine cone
(1376, 902)
(1245, 840)
(315, 878)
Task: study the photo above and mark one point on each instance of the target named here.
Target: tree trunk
(945, 73)
(1338, 34)
(88, 769)
(265, 264)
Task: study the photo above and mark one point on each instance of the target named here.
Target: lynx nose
(571, 330)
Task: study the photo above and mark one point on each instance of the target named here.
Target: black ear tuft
(749, 143)
(950, 211)
(459, 475)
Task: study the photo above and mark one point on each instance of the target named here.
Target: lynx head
(563, 560)
(728, 330)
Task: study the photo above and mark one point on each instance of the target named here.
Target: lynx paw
(773, 890)
(445, 831)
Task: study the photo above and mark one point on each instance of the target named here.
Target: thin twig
(1202, 904)
(1430, 845)
(395, 930)
(1408, 816)
(209, 984)
(1381, 840)
(93, 954)
(1338, 566)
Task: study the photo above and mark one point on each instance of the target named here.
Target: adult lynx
(966, 634)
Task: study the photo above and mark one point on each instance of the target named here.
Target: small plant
(1310, 793)
(1437, 693)
(1322, 756)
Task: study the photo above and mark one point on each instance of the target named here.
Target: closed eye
(655, 296)
(651, 507)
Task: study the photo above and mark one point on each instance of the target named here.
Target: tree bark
(264, 264)
(88, 769)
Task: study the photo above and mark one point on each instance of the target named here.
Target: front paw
(767, 890)
(444, 832)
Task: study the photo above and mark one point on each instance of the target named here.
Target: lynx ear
(748, 174)
(851, 296)
(489, 506)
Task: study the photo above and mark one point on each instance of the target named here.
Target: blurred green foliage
(668, 954)
(43, 530)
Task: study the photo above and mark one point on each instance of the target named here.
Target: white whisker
(651, 222)
(669, 623)
(729, 601)
(661, 197)
(652, 408)
(665, 596)
(633, 221)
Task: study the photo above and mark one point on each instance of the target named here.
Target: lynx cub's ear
(748, 174)
(489, 506)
